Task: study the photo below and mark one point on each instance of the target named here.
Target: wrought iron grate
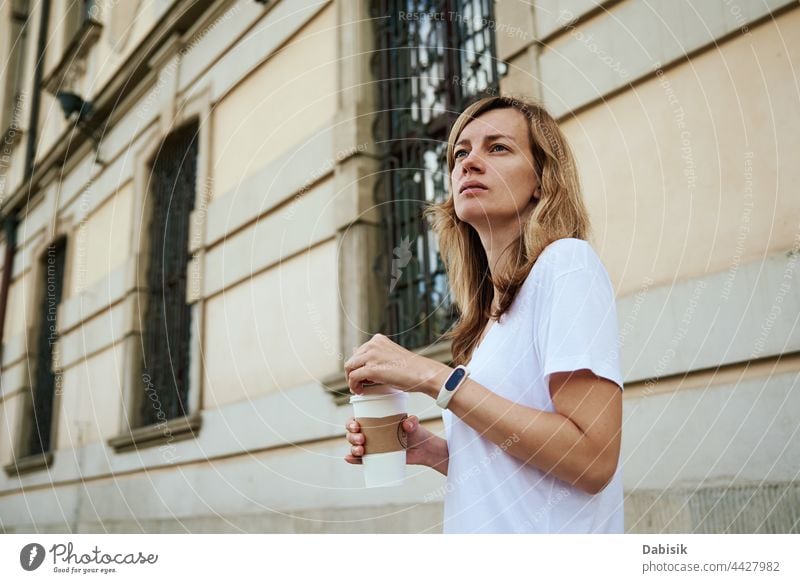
(43, 391)
(167, 327)
(432, 57)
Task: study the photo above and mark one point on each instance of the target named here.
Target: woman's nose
(472, 161)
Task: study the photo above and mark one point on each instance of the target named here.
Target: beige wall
(5, 56)
(582, 63)
(124, 27)
(102, 242)
(18, 308)
(9, 425)
(52, 123)
(652, 219)
(548, 11)
(285, 320)
(288, 229)
(278, 105)
(90, 399)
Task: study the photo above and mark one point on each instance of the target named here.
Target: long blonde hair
(559, 213)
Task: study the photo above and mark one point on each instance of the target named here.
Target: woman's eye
(458, 153)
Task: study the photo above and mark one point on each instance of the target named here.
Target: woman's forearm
(548, 441)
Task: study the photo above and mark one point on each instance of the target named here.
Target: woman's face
(493, 178)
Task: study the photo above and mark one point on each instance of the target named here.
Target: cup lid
(379, 392)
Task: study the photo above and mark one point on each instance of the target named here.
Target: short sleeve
(577, 323)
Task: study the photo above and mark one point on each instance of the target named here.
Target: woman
(533, 432)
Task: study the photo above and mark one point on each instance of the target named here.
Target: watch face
(454, 378)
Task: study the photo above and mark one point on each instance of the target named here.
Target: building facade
(207, 205)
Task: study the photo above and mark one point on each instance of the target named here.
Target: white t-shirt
(563, 319)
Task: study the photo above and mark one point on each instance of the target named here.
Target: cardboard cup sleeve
(383, 434)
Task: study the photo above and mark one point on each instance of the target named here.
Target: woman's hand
(420, 442)
(381, 361)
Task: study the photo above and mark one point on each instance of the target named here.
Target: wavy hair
(559, 213)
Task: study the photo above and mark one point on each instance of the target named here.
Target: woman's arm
(579, 443)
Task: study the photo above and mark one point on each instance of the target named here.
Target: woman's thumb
(411, 423)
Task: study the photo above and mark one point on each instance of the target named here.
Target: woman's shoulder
(563, 257)
(566, 255)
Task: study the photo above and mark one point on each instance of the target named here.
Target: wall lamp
(72, 104)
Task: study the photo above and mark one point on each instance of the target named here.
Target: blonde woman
(532, 405)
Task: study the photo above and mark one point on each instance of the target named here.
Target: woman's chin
(475, 215)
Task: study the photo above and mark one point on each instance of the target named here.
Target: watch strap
(454, 380)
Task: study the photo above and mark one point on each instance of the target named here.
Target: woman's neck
(500, 258)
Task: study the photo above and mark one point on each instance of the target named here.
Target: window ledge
(29, 463)
(336, 384)
(176, 429)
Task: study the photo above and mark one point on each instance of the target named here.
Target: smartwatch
(455, 380)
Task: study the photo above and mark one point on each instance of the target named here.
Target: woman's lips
(472, 185)
(473, 190)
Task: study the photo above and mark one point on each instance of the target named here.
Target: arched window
(166, 330)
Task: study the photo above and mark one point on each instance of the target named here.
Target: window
(37, 432)
(431, 58)
(167, 323)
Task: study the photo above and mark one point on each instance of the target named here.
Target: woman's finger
(354, 380)
(354, 362)
(355, 386)
(355, 438)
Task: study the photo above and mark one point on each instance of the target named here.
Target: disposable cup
(380, 413)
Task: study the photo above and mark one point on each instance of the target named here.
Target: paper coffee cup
(380, 414)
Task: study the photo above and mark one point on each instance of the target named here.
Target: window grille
(167, 323)
(432, 57)
(43, 391)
